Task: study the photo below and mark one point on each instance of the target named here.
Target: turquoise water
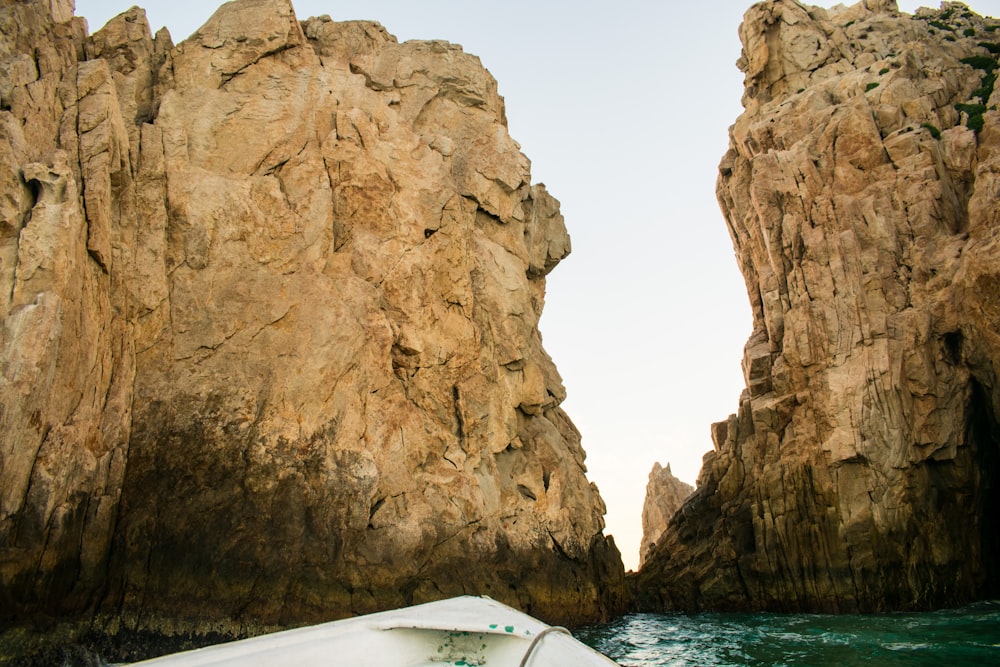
(967, 636)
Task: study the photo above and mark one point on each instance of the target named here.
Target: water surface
(967, 636)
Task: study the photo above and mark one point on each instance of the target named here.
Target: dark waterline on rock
(966, 636)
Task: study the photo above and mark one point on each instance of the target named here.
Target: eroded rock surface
(664, 496)
(270, 345)
(861, 190)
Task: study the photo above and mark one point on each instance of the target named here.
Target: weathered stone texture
(861, 471)
(67, 364)
(664, 496)
(270, 344)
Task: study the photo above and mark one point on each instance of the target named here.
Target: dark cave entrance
(983, 434)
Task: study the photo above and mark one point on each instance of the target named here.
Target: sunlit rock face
(270, 344)
(861, 192)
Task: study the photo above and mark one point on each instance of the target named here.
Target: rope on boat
(538, 639)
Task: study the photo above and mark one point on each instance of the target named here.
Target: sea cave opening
(984, 438)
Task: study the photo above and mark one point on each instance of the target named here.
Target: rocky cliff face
(270, 345)
(862, 470)
(664, 496)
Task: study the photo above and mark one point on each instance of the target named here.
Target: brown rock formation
(862, 471)
(270, 345)
(664, 496)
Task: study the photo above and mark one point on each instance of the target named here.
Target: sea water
(967, 636)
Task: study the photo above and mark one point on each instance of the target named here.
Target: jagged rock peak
(664, 496)
(881, 6)
(269, 331)
(861, 469)
(788, 45)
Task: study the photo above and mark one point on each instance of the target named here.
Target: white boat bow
(461, 632)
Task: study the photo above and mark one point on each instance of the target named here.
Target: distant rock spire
(664, 496)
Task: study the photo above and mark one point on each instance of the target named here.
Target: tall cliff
(269, 347)
(862, 471)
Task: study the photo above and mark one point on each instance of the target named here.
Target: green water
(967, 636)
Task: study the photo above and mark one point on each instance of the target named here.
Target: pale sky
(623, 109)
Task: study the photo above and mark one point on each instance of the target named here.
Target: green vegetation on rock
(975, 113)
(984, 63)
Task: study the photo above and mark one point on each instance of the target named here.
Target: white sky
(623, 109)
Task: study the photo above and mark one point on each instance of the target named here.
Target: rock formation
(664, 496)
(269, 349)
(862, 470)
